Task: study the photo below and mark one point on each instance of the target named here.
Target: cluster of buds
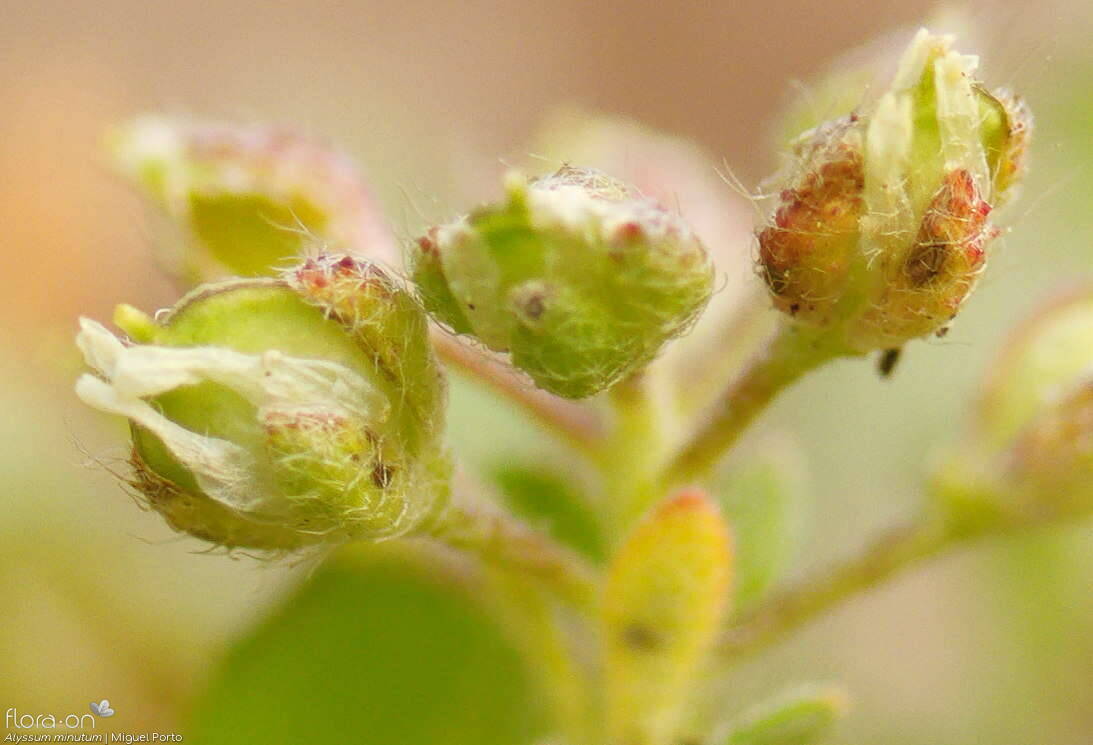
(882, 231)
(574, 275)
(240, 200)
(276, 413)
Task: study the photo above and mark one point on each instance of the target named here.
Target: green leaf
(664, 600)
(801, 717)
(374, 650)
(546, 500)
(762, 502)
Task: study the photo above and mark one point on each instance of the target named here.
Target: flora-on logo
(102, 708)
(14, 719)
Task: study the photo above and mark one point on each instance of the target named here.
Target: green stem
(628, 456)
(569, 421)
(895, 551)
(791, 352)
(970, 507)
(500, 539)
(722, 353)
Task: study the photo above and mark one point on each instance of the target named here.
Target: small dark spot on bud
(382, 474)
(534, 307)
(942, 332)
(926, 262)
(640, 637)
(888, 360)
(775, 276)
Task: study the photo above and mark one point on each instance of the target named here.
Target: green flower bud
(247, 201)
(1037, 413)
(881, 233)
(576, 277)
(280, 412)
(1029, 455)
(1051, 464)
(1046, 356)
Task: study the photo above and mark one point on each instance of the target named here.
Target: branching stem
(895, 551)
(572, 422)
(499, 538)
(791, 352)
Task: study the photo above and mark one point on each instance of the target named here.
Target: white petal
(224, 471)
(958, 116)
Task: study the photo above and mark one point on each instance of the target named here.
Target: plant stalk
(895, 551)
(790, 353)
(501, 539)
(567, 420)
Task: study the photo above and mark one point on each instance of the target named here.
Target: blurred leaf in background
(763, 500)
(375, 648)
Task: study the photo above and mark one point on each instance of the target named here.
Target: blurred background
(100, 600)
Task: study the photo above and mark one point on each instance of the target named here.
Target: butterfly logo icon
(102, 708)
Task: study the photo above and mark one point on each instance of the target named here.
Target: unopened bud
(1048, 354)
(577, 278)
(247, 201)
(1029, 454)
(1051, 464)
(807, 253)
(1037, 413)
(277, 413)
(882, 232)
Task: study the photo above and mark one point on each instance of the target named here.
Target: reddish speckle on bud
(427, 242)
(941, 267)
(629, 232)
(340, 284)
(882, 231)
(953, 233)
(805, 255)
(687, 499)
